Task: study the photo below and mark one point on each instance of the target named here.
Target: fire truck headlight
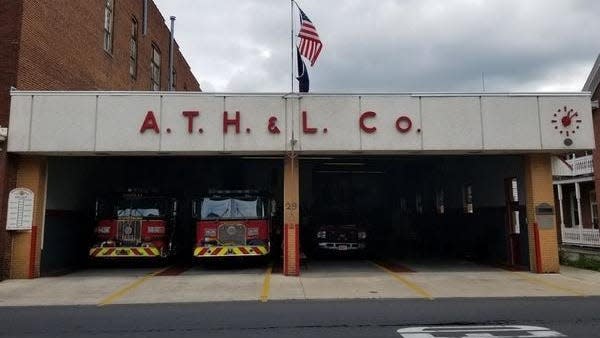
(156, 230)
(322, 234)
(210, 232)
(105, 230)
(362, 235)
(252, 231)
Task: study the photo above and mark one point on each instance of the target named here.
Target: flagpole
(292, 44)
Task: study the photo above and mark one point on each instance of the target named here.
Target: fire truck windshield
(146, 207)
(231, 208)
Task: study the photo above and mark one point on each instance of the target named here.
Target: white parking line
(469, 331)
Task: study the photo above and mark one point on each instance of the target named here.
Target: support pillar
(291, 216)
(578, 198)
(560, 209)
(26, 246)
(543, 242)
(560, 206)
(579, 219)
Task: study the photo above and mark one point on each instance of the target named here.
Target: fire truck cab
(134, 225)
(232, 223)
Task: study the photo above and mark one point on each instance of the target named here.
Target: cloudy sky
(392, 45)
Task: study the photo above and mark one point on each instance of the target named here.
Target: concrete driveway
(335, 279)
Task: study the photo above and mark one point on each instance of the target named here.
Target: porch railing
(583, 165)
(581, 236)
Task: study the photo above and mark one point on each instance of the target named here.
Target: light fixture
(345, 163)
(262, 157)
(360, 172)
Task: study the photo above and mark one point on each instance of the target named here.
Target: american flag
(310, 44)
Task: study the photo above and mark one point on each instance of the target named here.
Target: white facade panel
(205, 116)
(391, 110)
(75, 132)
(18, 133)
(510, 123)
(335, 121)
(451, 123)
(555, 134)
(136, 122)
(119, 121)
(255, 114)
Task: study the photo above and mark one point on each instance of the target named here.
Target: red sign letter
(361, 122)
(407, 124)
(305, 128)
(190, 116)
(235, 122)
(272, 127)
(149, 123)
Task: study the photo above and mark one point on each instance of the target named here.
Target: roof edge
(15, 92)
(591, 84)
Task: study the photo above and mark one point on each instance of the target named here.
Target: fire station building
(428, 175)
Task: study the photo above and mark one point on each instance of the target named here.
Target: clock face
(566, 122)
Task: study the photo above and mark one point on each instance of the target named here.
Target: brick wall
(62, 47)
(31, 174)
(10, 12)
(539, 189)
(596, 152)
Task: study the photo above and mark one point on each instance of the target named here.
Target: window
(419, 204)
(439, 201)
(109, 9)
(174, 82)
(155, 68)
(515, 190)
(513, 205)
(133, 48)
(468, 199)
(594, 209)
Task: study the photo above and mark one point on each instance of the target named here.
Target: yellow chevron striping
(124, 252)
(229, 251)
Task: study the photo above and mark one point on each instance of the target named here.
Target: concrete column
(26, 246)
(543, 243)
(291, 216)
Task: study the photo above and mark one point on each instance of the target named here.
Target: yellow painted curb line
(548, 284)
(409, 284)
(264, 295)
(123, 291)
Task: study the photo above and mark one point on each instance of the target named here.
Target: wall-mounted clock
(566, 123)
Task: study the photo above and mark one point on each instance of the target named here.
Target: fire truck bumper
(226, 251)
(342, 246)
(134, 252)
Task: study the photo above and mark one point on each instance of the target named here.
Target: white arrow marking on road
(478, 331)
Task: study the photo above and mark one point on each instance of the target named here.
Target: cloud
(392, 45)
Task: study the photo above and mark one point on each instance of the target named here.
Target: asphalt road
(573, 317)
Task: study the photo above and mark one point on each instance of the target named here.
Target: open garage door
(442, 207)
(76, 185)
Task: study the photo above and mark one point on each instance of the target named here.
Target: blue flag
(303, 81)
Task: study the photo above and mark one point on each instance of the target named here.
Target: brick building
(77, 46)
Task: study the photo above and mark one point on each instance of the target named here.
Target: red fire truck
(134, 225)
(232, 223)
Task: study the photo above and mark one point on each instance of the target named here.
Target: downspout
(171, 48)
